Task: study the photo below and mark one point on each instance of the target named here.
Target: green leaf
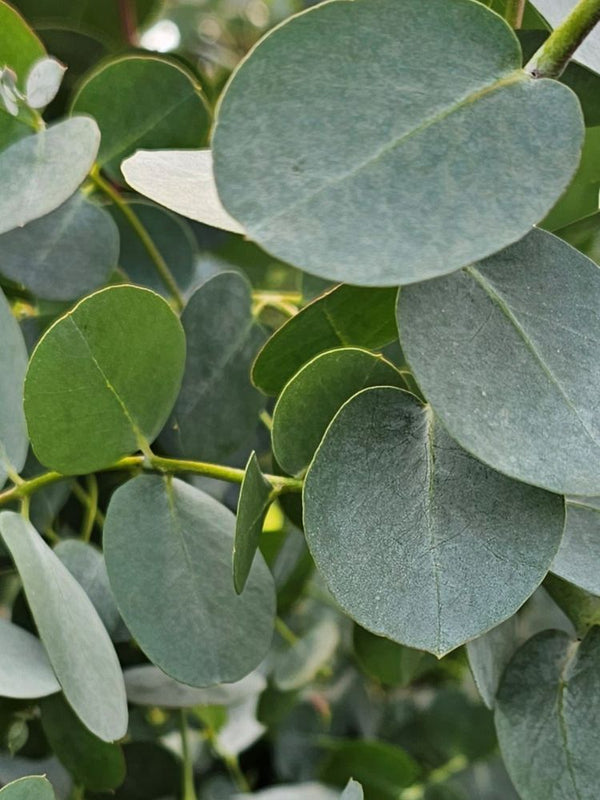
(182, 181)
(555, 11)
(311, 399)
(506, 352)
(168, 553)
(86, 565)
(13, 363)
(388, 662)
(173, 239)
(81, 654)
(299, 664)
(28, 789)
(549, 698)
(95, 764)
(142, 101)
(581, 608)
(25, 671)
(584, 235)
(418, 541)
(370, 179)
(488, 656)
(578, 558)
(64, 254)
(103, 379)
(217, 409)
(256, 496)
(343, 316)
(383, 769)
(39, 173)
(43, 82)
(148, 686)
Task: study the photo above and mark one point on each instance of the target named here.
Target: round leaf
(313, 396)
(506, 351)
(549, 697)
(103, 379)
(378, 171)
(42, 171)
(578, 558)
(25, 671)
(64, 254)
(418, 541)
(142, 101)
(28, 789)
(488, 656)
(168, 553)
(75, 639)
(13, 363)
(43, 82)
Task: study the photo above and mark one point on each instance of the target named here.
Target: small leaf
(25, 671)
(301, 791)
(75, 639)
(43, 82)
(388, 662)
(549, 696)
(488, 656)
(343, 316)
(506, 353)
(418, 541)
(581, 608)
(64, 254)
(168, 553)
(364, 178)
(13, 363)
(353, 791)
(217, 410)
(28, 789)
(578, 557)
(311, 399)
(41, 171)
(182, 181)
(299, 664)
(256, 496)
(142, 101)
(103, 379)
(95, 764)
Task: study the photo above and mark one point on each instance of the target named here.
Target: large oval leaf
(168, 553)
(578, 558)
(65, 254)
(24, 667)
(103, 379)
(418, 541)
(75, 639)
(379, 172)
(28, 789)
(506, 351)
(142, 101)
(42, 171)
(546, 715)
(313, 396)
(13, 364)
(217, 409)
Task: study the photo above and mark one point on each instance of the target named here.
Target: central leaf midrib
(512, 77)
(430, 461)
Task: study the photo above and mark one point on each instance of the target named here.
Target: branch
(553, 56)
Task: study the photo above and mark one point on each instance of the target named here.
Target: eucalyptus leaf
(142, 101)
(344, 316)
(353, 791)
(95, 764)
(506, 353)
(168, 553)
(81, 654)
(578, 558)
(420, 542)
(43, 82)
(388, 662)
(549, 695)
(407, 163)
(181, 180)
(13, 363)
(579, 606)
(28, 789)
(320, 388)
(305, 791)
(103, 379)
(584, 234)
(299, 664)
(256, 496)
(217, 410)
(40, 172)
(64, 254)
(25, 671)
(489, 655)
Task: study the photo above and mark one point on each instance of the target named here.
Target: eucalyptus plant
(300, 404)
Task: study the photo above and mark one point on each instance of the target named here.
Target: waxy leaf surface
(25, 670)
(13, 364)
(256, 495)
(28, 789)
(578, 557)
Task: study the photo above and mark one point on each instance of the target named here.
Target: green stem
(169, 466)
(514, 13)
(160, 264)
(91, 508)
(229, 760)
(189, 790)
(553, 56)
(286, 633)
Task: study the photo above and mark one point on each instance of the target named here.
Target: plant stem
(132, 218)
(189, 790)
(170, 466)
(229, 760)
(127, 13)
(553, 56)
(286, 633)
(91, 508)
(514, 12)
